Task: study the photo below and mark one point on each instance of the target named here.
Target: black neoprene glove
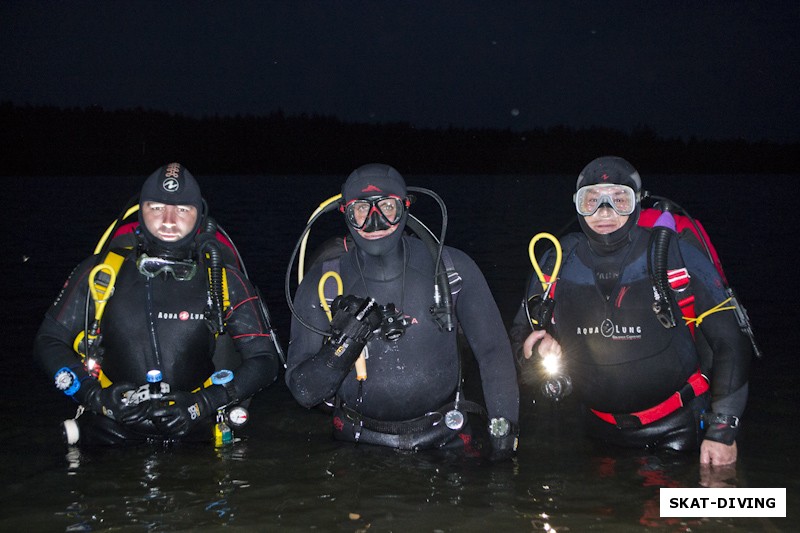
(353, 324)
(111, 402)
(176, 414)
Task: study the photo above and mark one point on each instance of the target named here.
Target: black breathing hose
(442, 310)
(210, 245)
(663, 307)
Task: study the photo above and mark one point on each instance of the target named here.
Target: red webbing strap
(699, 385)
(679, 280)
(547, 279)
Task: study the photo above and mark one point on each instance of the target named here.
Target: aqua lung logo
(181, 315)
(171, 185)
(171, 174)
(609, 330)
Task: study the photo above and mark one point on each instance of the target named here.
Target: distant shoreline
(42, 140)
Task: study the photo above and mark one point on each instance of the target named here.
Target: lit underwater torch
(556, 385)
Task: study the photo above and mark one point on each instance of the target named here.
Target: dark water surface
(287, 474)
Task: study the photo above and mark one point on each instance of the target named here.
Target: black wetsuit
(418, 373)
(620, 357)
(156, 323)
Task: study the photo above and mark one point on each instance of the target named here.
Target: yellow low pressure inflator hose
(302, 259)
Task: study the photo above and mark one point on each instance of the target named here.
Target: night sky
(707, 69)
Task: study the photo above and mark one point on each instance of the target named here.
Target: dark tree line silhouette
(42, 140)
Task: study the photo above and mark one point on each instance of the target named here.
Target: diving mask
(620, 198)
(181, 270)
(388, 209)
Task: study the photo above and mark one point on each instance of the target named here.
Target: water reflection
(154, 487)
(300, 479)
(718, 476)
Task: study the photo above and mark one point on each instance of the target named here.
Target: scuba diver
(610, 308)
(133, 333)
(385, 357)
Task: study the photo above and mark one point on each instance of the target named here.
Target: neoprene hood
(171, 184)
(610, 169)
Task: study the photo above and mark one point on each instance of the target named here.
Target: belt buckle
(627, 421)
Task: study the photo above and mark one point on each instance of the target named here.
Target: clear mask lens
(389, 208)
(151, 267)
(620, 198)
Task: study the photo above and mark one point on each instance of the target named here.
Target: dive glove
(179, 412)
(111, 401)
(353, 325)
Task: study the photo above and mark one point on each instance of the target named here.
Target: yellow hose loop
(546, 284)
(107, 233)
(716, 309)
(321, 290)
(101, 295)
(302, 259)
(361, 362)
